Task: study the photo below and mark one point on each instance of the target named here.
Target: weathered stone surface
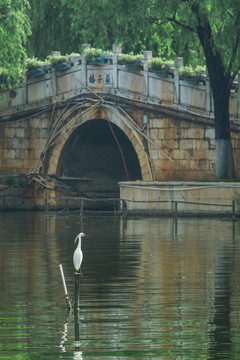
(185, 197)
(161, 122)
(14, 197)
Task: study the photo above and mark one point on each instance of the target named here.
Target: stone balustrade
(83, 79)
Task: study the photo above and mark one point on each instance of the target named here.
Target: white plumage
(78, 255)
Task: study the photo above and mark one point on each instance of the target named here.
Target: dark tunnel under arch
(96, 157)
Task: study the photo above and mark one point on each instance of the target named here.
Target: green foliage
(74, 54)
(217, 21)
(200, 69)
(97, 56)
(55, 60)
(130, 58)
(14, 30)
(33, 63)
(188, 72)
(66, 25)
(50, 23)
(5, 78)
(169, 28)
(157, 63)
(92, 53)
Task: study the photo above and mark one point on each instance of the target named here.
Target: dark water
(151, 288)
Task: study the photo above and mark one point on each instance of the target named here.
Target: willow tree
(66, 24)
(14, 29)
(50, 25)
(216, 25)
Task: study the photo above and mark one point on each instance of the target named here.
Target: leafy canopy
(220, 19)
(14, 30)
(50, 23)
(168, 28)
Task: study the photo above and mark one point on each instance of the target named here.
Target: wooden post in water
(76, 311)
(76, 329)
(68, 301)
(76, 293)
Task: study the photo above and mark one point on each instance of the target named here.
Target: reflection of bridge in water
(92, 126)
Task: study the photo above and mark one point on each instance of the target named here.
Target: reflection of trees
(30, 284)
(148, 283)
(188, 263)
(224, 267)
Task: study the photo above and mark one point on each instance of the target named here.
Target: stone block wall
(179, 149)
(190, 146)
(21, 144)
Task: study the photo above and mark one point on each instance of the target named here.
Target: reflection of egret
(78, 255)
(64, 337)
(77, 355)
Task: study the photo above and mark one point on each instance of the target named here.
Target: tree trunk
(224, 155)
(224, 159)
(220, 82)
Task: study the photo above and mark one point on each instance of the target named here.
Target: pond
(152, 288)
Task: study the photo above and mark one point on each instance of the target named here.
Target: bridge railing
(139, 85)
(120, 206)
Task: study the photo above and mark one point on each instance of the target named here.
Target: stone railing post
(56, 53)
(83, 77)
(117, 50)
(178, 63)
(54, 76)
(146, 56)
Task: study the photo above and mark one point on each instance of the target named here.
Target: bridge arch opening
(96, 157)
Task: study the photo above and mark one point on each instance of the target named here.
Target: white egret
(78, 255)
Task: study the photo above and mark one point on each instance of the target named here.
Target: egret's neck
(79, 242)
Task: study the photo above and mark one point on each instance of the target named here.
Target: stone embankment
(179, 198)
(16, 198)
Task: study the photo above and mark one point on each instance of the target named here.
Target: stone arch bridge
(90, 126)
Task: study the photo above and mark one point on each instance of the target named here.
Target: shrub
(157, 63)
(130, 58)
(5, 78)
(55, 60)
(189, 72)
(92, 53)
(33, 63)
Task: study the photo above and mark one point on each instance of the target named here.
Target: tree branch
(187, 27)
(173, 20)
(158, 22)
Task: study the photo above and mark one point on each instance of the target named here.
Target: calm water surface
(152, 288)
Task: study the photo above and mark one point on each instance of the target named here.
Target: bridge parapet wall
(141, 85)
